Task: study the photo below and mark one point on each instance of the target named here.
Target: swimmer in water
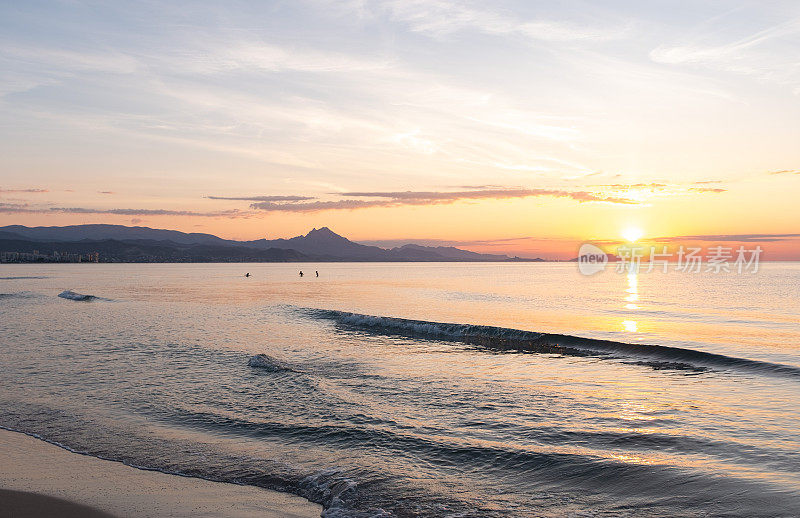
(301, 273)
(247, 274)
(316, 273)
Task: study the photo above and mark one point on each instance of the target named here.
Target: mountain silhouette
(320, 244)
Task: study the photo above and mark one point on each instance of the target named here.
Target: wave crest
(500, 338)
(71, 295)
(268, 363)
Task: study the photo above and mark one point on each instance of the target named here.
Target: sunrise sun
(632, 234)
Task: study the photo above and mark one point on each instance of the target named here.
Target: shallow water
(422, 389)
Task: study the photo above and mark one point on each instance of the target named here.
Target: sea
(421, 389)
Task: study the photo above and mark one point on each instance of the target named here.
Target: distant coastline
(122, 244)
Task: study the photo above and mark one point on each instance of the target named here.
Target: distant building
(57, 257)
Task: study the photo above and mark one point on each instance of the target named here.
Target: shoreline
(38, 478)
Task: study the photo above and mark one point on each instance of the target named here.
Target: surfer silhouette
(316, 273)
(301, 273)
(247, 274)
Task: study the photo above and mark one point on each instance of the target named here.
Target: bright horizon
(517, 128)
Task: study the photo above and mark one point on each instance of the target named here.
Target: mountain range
(119, 243)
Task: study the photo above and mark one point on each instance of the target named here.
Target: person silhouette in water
(301, 273)
(316, 273)
(247, 274)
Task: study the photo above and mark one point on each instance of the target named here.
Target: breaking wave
(268, 363)
(500, 338)
(71, 295)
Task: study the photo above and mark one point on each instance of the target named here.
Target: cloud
(743, 238)
(16, 208)
(292, 203)
(105, 192)
(289, 198)
(633, 185)
(439, 18)
(318, 206)
(235, 213)
(415, 198)
(486, 186)
(707, 189)
(509, 241)
(23, 190)
(766, 55)
(62, 60)
(224, 55)
(430, 197)
(641, 191)
(786, 171)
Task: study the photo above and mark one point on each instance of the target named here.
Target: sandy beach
(41, 479)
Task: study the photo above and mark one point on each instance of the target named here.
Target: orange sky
(507, 128)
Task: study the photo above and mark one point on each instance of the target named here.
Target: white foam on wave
(335, 489)
(505, 338)
(424, 328)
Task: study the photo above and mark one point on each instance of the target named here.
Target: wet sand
(41, 479)
(19, 504)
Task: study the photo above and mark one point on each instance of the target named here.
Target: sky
(517, 127)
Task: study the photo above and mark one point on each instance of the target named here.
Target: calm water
(369, 404)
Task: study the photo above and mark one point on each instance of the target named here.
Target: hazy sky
(509, 126)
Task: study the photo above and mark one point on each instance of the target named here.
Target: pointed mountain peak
(324, 233)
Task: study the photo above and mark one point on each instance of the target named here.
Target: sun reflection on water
(631, 326)
(633, 288)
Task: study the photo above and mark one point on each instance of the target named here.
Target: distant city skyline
(515, 128)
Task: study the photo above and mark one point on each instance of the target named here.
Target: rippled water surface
(421, 389)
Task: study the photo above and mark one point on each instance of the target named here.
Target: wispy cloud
(741, 238)
(289, 198)
(152, 212)
(767, 55)
(319, 206)
(17, 208)
(60, 59)
(644, 191)
(485, 186)
(232, 53)
(307, 204)
(23, 190)
(440, 17)
(509, 241)
(416, 198)
(482, 194)
(786, 171)
(651, 185)
(511, 93)
(707, 189)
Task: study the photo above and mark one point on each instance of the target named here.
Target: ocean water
(453, 390)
